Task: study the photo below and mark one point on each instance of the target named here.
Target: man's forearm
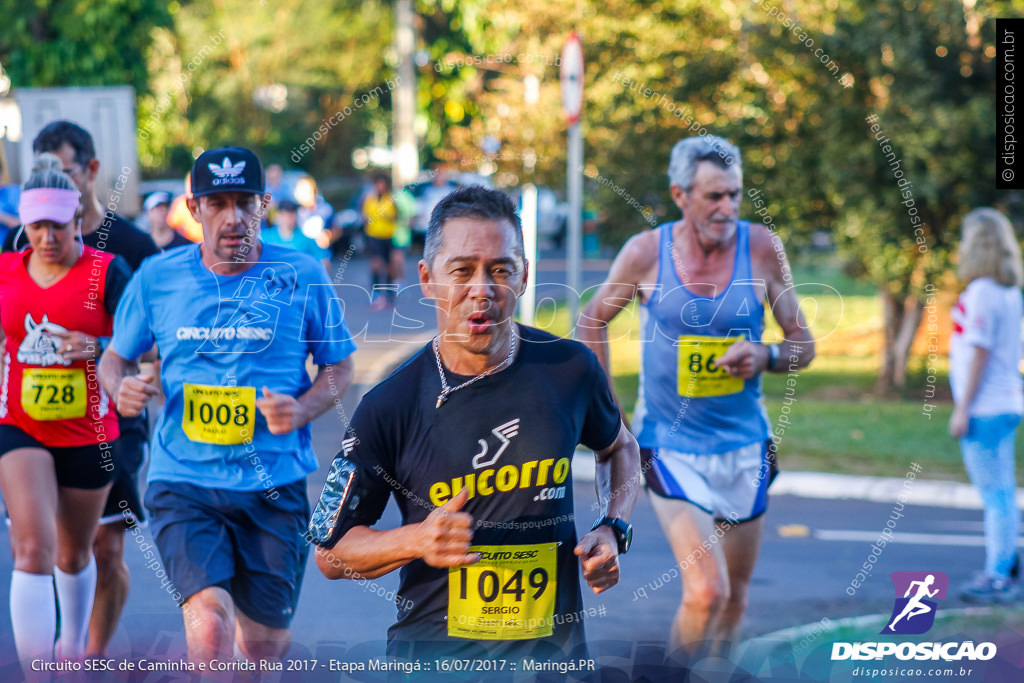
(794, 355)
(365, 553)
(112, 369)
(330, 385)
(617, 479)
(594, 335)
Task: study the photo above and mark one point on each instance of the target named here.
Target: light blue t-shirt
(297, 241)
(250, 330)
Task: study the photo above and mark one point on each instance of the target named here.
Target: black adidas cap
(227, 169)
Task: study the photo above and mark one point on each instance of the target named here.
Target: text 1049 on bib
(508, 595)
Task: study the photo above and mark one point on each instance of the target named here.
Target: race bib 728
(48, 394)
(698, 376)
(508, 595)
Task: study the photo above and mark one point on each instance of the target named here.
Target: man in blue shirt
(232, 446)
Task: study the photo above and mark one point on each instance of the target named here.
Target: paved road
(812, 550)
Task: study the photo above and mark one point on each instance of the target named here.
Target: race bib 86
(698, 376)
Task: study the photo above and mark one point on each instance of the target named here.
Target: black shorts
(381, 248)
(124, 504)
(250, 545)
(78, 467)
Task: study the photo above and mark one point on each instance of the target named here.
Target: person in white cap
(56, 423)
(157, 205)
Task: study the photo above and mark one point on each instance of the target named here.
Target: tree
(909, 148)
(793, 83)
(66, 43)
(268, 75)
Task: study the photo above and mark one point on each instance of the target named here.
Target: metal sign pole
(575, 237)
(528, 214)
(572, 103)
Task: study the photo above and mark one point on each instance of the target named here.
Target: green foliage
(47, 43)
(209, 69)
(794, 94)
(926, 70)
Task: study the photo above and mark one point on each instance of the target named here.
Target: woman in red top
(57, 299)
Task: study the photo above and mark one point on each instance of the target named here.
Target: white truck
(107, 112)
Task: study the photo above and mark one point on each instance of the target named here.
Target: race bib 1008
(219, 415)
(698, 376)
(508, 595)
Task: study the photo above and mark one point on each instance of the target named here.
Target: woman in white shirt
(988, 391)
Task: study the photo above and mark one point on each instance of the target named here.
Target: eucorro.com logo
(914, 614)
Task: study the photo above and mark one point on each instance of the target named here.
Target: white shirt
(988, 316)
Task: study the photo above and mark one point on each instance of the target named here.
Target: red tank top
(56, 401)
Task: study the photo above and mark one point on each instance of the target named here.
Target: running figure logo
(914, 613)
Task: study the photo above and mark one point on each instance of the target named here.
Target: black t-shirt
(118, 275)
(509, 438)
(115, 235)
(177, 240)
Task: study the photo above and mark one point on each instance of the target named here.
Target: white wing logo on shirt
(348, 444)
(226, 170)
(504, 433)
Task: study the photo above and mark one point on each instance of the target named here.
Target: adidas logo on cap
(227, 169)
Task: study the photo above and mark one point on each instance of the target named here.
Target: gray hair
(691, 151)
(48, 172)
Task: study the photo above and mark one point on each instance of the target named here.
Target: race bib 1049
(508, 595)
(698, 376)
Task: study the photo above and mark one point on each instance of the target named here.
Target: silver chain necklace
(446, 391)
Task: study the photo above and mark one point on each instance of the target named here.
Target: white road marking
(903, 537)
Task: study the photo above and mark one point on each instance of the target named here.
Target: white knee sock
(75, 593)
(33, 615)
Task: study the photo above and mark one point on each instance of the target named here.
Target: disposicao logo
(913, 614)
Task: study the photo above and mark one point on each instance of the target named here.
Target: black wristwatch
(623, 531)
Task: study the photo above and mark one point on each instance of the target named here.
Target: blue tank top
(683, 402)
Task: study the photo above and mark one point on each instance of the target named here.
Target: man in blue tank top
(700, 420)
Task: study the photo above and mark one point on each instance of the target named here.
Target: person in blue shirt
(232, 446)
(285, 232)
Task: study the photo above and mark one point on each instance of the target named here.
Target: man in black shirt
(109, 232)
(475, 435)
